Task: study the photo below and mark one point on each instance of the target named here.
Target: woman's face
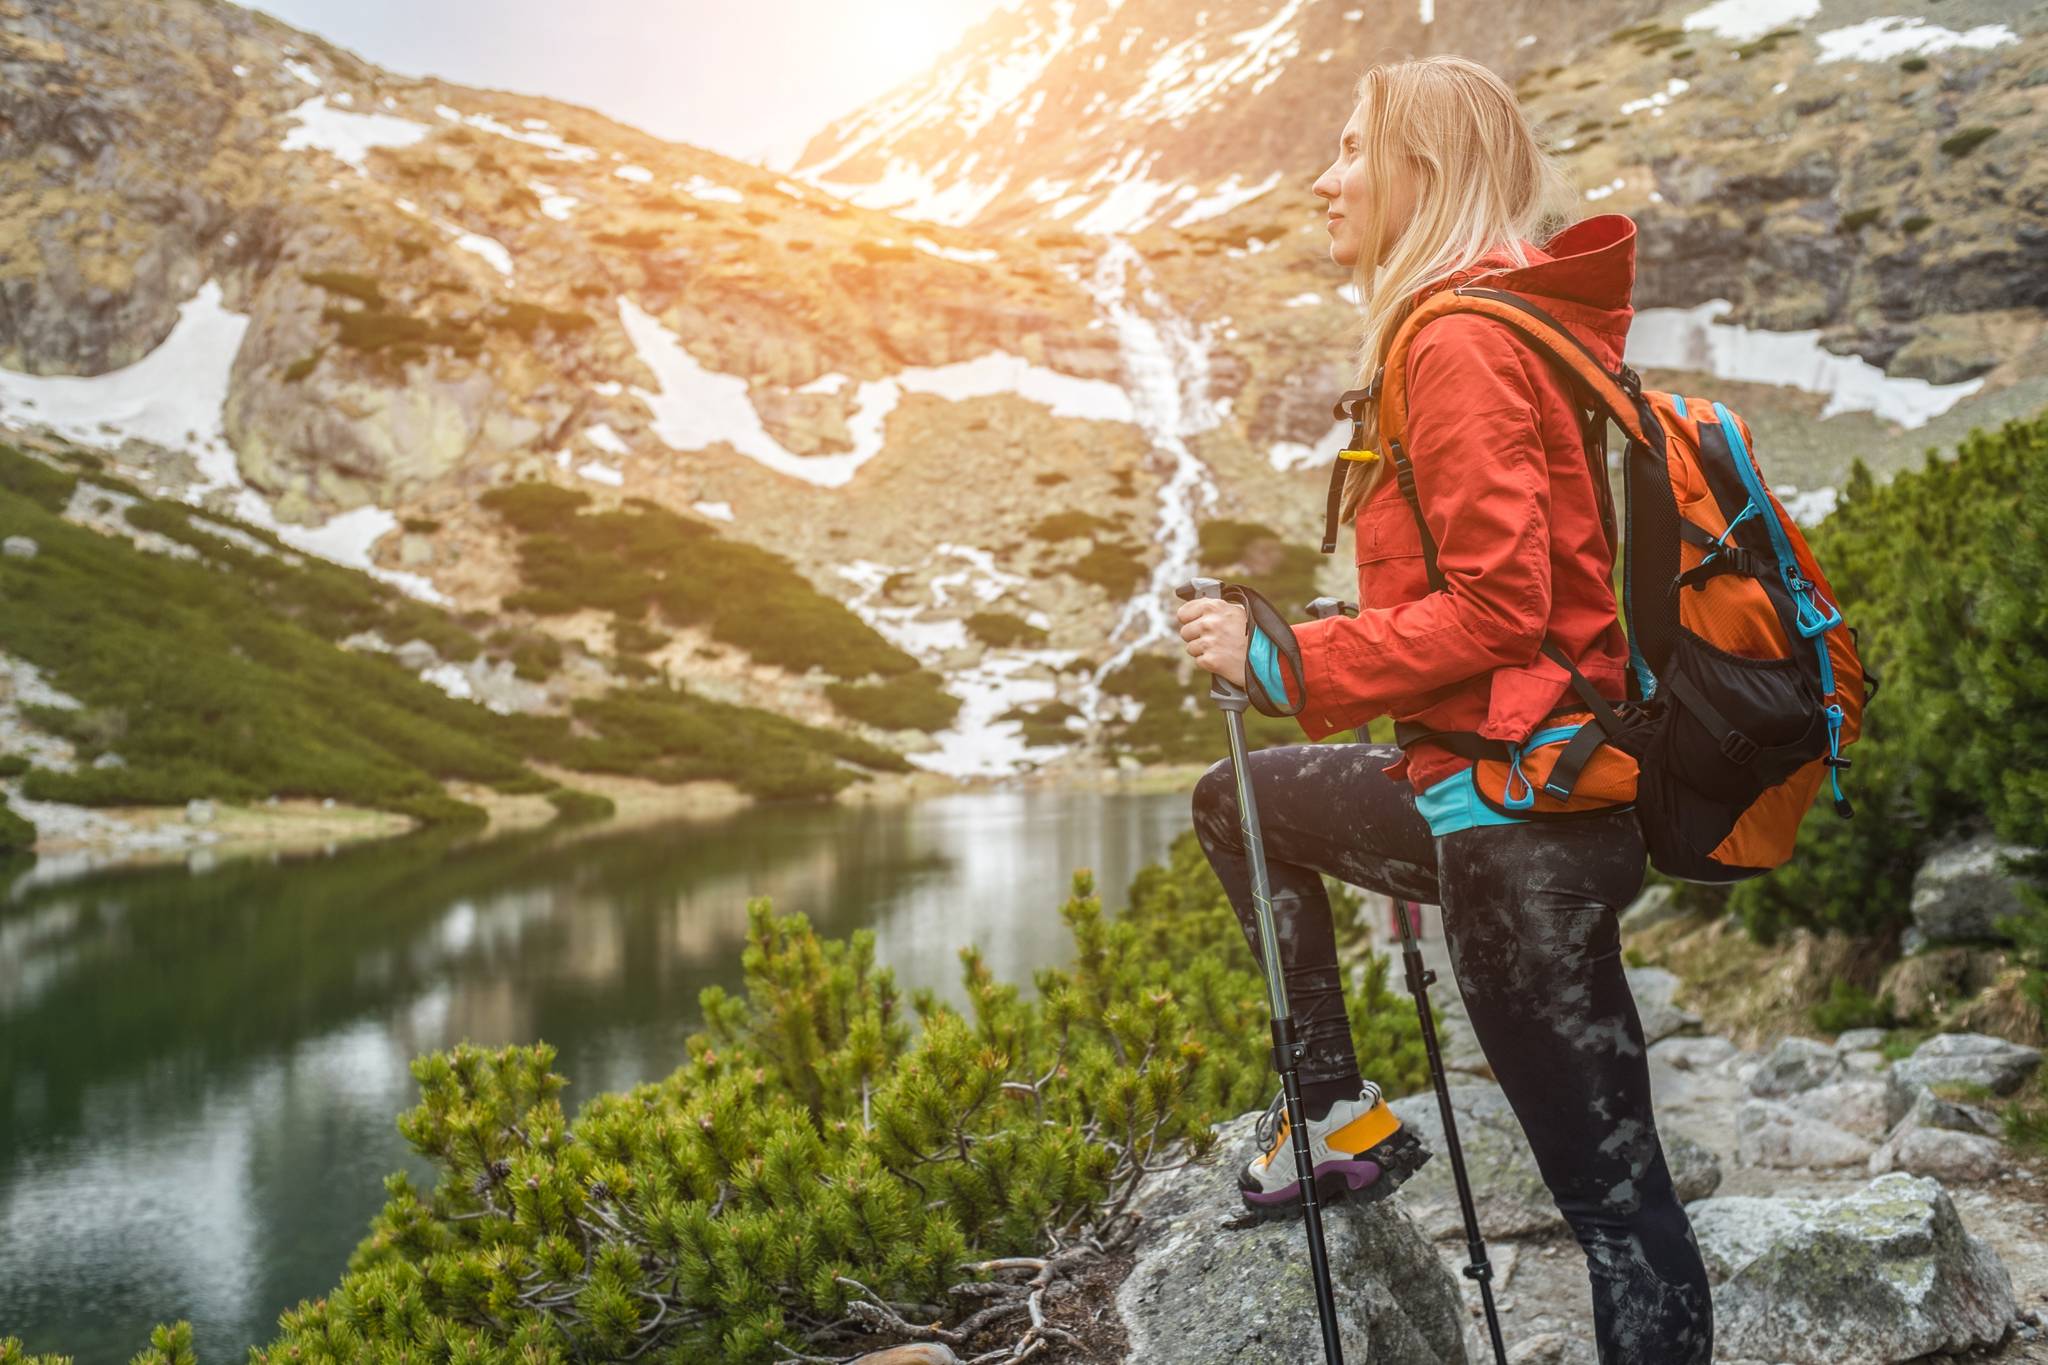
(1352, 210)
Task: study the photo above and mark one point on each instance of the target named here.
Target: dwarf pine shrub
(1942, 571)
(832, 1163)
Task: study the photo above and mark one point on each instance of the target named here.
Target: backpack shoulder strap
(1607, 393)
(1612, 392)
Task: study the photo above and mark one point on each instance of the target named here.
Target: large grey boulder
(1735, 1229)
(1974, 1058)
(1508, 1192)
(1885, 1274)
(1653, 988)
(1931, 1111)
(1941, 1153)
(1692, 1054)
(1962, 890)
(1959, 1058)
(1858, 1105)
(1795, 1064)
(1773, 1133)
(1204, 1294)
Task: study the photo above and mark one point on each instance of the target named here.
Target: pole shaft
(1286, 1046)
(1480, 1269)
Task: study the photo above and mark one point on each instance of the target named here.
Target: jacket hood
(1584, 277)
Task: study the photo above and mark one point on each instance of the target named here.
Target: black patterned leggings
(1531, 915)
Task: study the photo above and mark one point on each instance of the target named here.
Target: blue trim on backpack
(1515, 752)
(1453, 804)
(1678, 404)
(1803, 595)
(1788, 560)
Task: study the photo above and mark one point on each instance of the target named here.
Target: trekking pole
(1287, 1047)
(1419, 979)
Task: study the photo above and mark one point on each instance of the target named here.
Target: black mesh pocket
(1771, 714)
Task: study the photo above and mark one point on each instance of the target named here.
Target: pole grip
(1325, 607)
(1221, 689)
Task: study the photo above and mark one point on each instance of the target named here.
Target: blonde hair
(1484, 183)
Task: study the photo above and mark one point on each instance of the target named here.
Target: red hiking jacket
(1502, 474)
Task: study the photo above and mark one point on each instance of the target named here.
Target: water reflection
(199, 1072)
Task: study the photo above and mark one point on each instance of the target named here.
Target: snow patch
(490, 248)
(1223, 199)
(701, 188)
(908, 191)
(1693, 339)
(347, 137)
(1807, 506)
(301, 72)
(1602, 191)
(172, 397)
(1743, 21)
(597, 471)
(601, 435)
(1656, 101)
(1308, 300)
(1883, 39)
(954, 253)
(717, 511)
(694, 407)
(450, 679)
(553, 203)
(978, 744)
(639, 175)
(556, 148)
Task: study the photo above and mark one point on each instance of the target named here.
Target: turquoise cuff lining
(1264, 658)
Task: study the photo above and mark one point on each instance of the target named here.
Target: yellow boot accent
(1369, 1129)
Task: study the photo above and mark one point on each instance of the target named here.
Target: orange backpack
(1745, 685)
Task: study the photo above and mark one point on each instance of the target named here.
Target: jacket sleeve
(1475, 442)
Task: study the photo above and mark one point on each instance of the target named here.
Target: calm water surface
(199, 1073)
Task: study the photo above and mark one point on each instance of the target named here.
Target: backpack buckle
(1737, 747)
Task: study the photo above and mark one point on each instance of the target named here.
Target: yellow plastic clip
(1358, 454)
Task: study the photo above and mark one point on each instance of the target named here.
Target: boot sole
(1366, 1179)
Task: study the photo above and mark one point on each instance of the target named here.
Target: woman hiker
(1438, 180)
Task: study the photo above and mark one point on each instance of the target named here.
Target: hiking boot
(1359, 1150)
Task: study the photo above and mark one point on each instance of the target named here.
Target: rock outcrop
(1883, 1275)
(1203, 1294)
(1961, 892)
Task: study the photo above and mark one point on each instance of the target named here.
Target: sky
(748, 78)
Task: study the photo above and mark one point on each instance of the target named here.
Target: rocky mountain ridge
(298, 288)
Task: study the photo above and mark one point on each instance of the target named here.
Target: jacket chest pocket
(1390, 567)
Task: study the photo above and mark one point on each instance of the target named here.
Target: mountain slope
(1117, 115)
(279, 283)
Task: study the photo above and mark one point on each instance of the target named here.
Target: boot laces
(1267, 1130)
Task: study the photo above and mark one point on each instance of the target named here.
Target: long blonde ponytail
(1483, 184)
